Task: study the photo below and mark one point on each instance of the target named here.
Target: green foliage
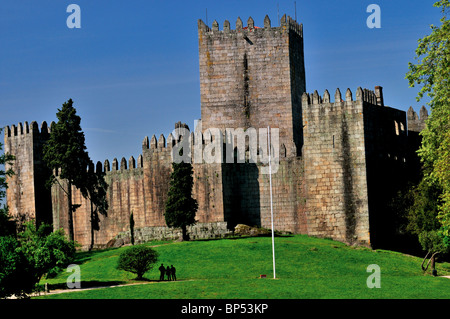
(180, 206)
(307, 268)
(65, 149)
(7, 225)
(423, 208)
(432, 242)
(25, 259)
(137, 260)
(47, 251)
(432, 72)
(420, 208)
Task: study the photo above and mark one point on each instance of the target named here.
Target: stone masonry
(340, 161)
(253, 77)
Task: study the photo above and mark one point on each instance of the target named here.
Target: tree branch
(56, 179)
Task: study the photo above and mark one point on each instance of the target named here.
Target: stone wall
(392, 162)
(335, 167)
(358, 155)
(27, 196)
(416, 123)
(140, 188)
(197, 231)
(247, 196)
(227, 194)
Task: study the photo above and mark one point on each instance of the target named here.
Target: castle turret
(27, 196)
(416, 123)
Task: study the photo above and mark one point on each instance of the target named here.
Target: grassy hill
(230, 268)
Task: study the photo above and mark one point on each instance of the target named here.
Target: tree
(180, 206)
(25, 259)
(7, 224)
(47, 251)
(65, 151)
(15, 269)
(433, 244)
(138, 260)
(95, 189)
(422, 209)
(432, 72)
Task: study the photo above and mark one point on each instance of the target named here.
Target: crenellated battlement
(416, 123)
(286, 23)
(363, 95)
(162, 144)
(25, 129)
(159, 149)
(158, 144)
(125, 164)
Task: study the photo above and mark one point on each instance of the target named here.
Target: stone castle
(340, 160)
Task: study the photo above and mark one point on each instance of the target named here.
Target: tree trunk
(132, 228)
(432, 261)
(433, 265)
(70, 211)
(423, 262)
(185, 236)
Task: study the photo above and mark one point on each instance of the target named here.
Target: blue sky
(132, 67)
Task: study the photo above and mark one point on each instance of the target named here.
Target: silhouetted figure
(168, 272)
(162, 270)
(172, 271)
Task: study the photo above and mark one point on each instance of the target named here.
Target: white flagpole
(271, 205)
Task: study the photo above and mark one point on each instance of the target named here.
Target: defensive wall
(227, 194)
(350, 146)
(340, 162)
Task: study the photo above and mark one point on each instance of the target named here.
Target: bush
(47, 251)
(34, 253)
(137, 260)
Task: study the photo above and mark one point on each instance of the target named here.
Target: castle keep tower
(27, 196)
(253, 77)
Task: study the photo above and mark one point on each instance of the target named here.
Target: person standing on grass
(162, 270)
(172, 271)
(168, 272)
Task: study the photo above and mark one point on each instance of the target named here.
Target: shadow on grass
(101, 284)
(83, 256)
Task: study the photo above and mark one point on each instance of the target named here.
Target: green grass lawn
(230, 268)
